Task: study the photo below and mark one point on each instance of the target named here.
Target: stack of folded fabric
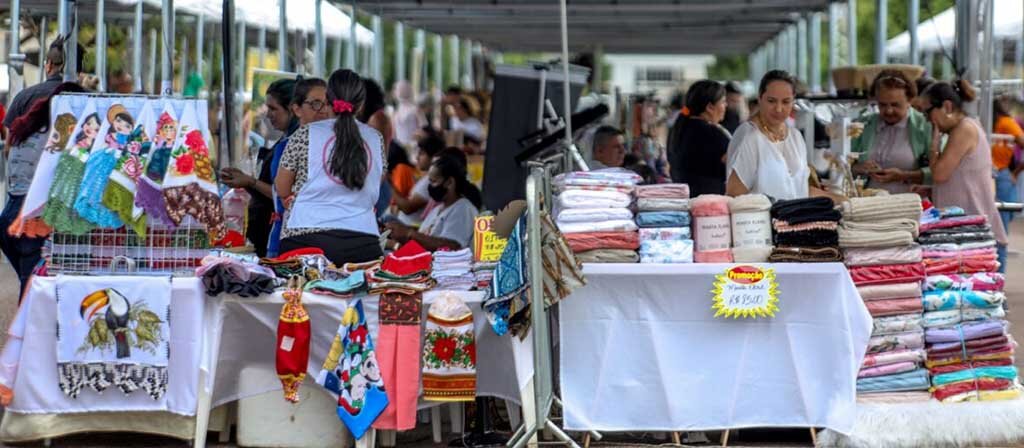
(664, 221)
(751, 228)
(712, 231)
(595, 216)
(453, 270)
(805, 230)
(972, 361)
(404, 271)
(959, 243)
(483, 273)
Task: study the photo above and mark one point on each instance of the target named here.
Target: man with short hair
(609, 148)
(735, 107)
(54, 68)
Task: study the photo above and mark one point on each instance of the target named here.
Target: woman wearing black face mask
(449, 224)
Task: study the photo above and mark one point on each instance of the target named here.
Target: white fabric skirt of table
(641, 350)
(248, 334)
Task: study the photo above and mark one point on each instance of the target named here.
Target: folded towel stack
(961, 244)
(712, 229)
(453, 270)
(664, 221)
(751, 228)
(595, 215)
(805, 230)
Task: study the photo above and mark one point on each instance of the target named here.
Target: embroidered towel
(106, 149)
(149, 195)
(119, 195)
(190, 187)
(449, 351)
(113, 331)
(398, 351)
(351, 372)
(59, 212)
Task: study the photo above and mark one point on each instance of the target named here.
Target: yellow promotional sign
(745, 291)
(487, 246)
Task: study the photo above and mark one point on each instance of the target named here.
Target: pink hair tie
(342, 107)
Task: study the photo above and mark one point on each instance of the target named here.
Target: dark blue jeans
(24, 253)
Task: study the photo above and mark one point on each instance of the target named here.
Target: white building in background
(663, 74)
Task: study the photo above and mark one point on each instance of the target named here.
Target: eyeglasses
(316, 105)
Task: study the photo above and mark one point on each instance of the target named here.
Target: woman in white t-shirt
(767, 155)
(449, 225)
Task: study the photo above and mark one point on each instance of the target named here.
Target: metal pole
(350, 58)
(43, 48)
(881, 30)
(780, 51)
(439, 62)
(167, 49)
(814, 80)
(1018, 55)
(318, 39)
(467, 63)
(566, 101)
(453, 42)
(16, 67)
(801, 50)
(337, 53)
(913, 17)
(200, 29)
(137, 37)
(70, 13)
(101, 45)
(985, 68)
(184, 63)
(242, 53)
(596, 78)
(400, 72)
(282, 34)
(261, 42)
(151, 72)
(377, 52)
(228, 126)
(851, 32)
(833, 42)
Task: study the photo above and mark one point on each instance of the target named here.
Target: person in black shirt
(54, 67)
(735, 106)
(697, 144)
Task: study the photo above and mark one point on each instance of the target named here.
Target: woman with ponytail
(450, 224)
(698, 143)
(962, 171)
(330, 177)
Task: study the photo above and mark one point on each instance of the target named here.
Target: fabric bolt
(972, 228)
(674, 251)
(890, 291)
(620, 225)
(582, 242)
(901, 341)
(947, 318)
(663, 204)
(887, 369)
(1003, 372)
(662, 219)
(574, 215)
(962, 246)
(892, 233)
(892, 307)
(1003, 353)
(893, 397)
(965, 332)
(807, 238)
(799, 211)
(608, 256)
(449, 352)
(946, 392)
(907, 381)
(952, 300)
(663, 234)
(954, 222)
(962, 265)
(805, 255)
(893, 357)
(967, 237)
(985, 395)
(874, 208)
(960, 253)
(898, 323)
(979, 281)
(667, 191)
(950, 368)
(712, 229)
(882, 256)
(575, 198)
(985, 345)
(602, 177)
(896, 273)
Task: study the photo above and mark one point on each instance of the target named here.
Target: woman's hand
(235, 178)
(867, 167)
(399, 232)
(889, 175)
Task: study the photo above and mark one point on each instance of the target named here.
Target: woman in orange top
(1002, 157)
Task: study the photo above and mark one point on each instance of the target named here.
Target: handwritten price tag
(745, 291)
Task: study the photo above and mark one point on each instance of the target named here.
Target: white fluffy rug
(932, 424)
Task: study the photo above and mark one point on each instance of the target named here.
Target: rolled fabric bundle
(674, 191)
(950, 368)
(884, 225)
(959, 253)
(751, 224)
(662, 204)
(712, 229)
(663, 219)
(933, 319)
(955, 222)
(1001, 372)
(955, 300)
(873, 208)
(978, 388)
(672, 251)
(608, 256)
(751, 254)
(665, 234)
(805, 255)
(854, 235)
(971, 228)
(976, 330)
(891, 291)
(874, 256)
(887, 369)
(593, 199)
(582, 242)
(619, 177)
(619, 225)
(956, 238)
(913, 380)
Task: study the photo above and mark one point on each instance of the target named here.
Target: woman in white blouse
(766, 154)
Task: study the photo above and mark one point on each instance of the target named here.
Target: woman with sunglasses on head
(962, 171)
(330, 177)
(894, 146)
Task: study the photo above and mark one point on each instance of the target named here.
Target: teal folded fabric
(900, 382)
(1000, 372)
(349, 285)
(953, 300)
(663, 219)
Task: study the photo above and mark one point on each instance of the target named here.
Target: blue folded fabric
(1000, 372)
(663, 219)
(673, 251)
(900, 382)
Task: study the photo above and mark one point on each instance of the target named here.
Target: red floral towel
(292, 344)
(449, 351)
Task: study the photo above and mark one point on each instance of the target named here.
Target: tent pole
(453, 43)
(167, 49)
(101, 45)
(318, 38)
(200, 29)
(43, 47)
(851, 32)
(814, 77)
(400, 72)
(15, 69)
(377, 52)
(881, 29)
(282, 35)
(137, 37)
(833, 42)
(228, 126)
(913, 12)
(261, 43)
(350, 58)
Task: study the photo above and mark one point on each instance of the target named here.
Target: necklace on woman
(773, 135)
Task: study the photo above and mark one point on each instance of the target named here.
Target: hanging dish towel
(113, 331)
(119, 196)
(59, 212)
(292, 354)
(115, 133)
(506, 302)
(398, 351)
(449, 351)
(149, 197)
(190, 187)
(351, 372)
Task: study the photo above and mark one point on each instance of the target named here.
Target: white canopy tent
(939, 32)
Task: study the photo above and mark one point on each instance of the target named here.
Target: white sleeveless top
(324, 201)
(776, 169)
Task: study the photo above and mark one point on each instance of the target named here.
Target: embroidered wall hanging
(59, 212)
(119, 196)
(113, 331)
(190, 185)
(449, 351)
(293, 330)
(149, 197)
(106, 149)
(352, 373)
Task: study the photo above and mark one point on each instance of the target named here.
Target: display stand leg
(676, 439)
(482, 434)
(814, 437)
(586, 440)
(202, 412)
(725, 438)
(369, 439)
(514, 416)
(456, 414)
(435, 423)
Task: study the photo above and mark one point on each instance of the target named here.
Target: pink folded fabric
(713, 256)
(893, 273)
(893, 357)
(876, 257)
(906, 290)
(680, 191)
(979, 281)
(888, 369)
(958, 221)
(880, 308)
(962, 265)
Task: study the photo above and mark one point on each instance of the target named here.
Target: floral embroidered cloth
(449, 351)
(132, 141)
(59, 212)
(113, 331)
(398, 351)
(190, 185)
(979, 281)
(149, 188)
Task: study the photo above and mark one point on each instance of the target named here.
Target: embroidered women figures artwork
(133, 144)
(59, 212)
(149, 195)
(60, 132)
(87, 132)
(190, 186)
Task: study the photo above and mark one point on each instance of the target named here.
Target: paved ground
(421, 438)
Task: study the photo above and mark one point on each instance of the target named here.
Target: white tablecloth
(31, 355)
(640, 350)
(245, 330)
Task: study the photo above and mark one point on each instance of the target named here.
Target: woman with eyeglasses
(894, 146)
(962, 171)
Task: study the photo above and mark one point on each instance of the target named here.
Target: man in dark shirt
(54, 68)
(734, 115)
